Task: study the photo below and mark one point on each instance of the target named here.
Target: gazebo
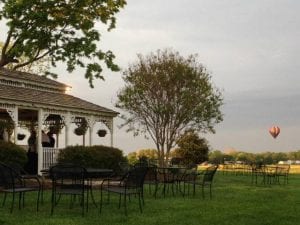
(35, 102)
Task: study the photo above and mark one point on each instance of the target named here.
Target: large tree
(166, 94)
(59, 29)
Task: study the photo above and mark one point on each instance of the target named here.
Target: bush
(12, 154)
(97, 156)
(191, 148)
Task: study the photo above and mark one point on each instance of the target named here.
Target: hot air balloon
(274, 131)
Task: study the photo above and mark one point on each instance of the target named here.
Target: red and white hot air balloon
(274, 131)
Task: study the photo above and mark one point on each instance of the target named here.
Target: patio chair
(167, 176)
(203, 179)
(151, 178)
(35, 180)
(68, 180)
(11, 182)
(131, 184)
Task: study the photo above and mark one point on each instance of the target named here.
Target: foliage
(97, 156)
(132, 158)
(80, 131)
(191, 148)
(165, 94)
(216, 157)
(12, 154)
(63, 31)
(146, 154)
(264, 157)
(36, 67)
(101, 133)
(82, 128)
(7, 125)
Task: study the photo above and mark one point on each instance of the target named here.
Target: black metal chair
(151, 178)
(203, 179)
(35, 180)
(68, 180)
(131, 184)
(12, 182)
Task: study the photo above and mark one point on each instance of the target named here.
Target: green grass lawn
(235, 201)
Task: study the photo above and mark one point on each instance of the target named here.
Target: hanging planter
(21, 137)
(79, 131)
(101, 133)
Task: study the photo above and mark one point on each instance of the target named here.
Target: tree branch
(36, 58)
(4, 60)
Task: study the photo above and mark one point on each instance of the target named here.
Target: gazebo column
(13, 113)
(112, 134)
(91, 122)
(39, 141)
(91, 129)
(16, 123)
(67, 121)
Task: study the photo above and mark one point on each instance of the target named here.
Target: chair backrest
(62, 173)
(124, 167)
(17, 168)
(9, 178)
(151, 175)
(209, 174)
(135, 177)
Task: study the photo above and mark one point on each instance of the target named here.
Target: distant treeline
(265, 157)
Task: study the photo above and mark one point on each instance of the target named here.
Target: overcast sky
(251, 49)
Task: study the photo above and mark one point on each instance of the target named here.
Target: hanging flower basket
(79, 131)
(101, 133)
(21, 137)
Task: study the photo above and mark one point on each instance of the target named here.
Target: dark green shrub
(12, 154)
(97, 156)
(191, 148)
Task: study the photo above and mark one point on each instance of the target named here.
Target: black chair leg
(120, 199)
(12, 203)
(38, 200)
(155, 191)
(101, 195)
(125, 205)
(83, 204)
(140, 204)
(20, 200)
(4, 199)
(194, 189)
(23, 199)
(53, 201)
(143, 196)
(87, 200)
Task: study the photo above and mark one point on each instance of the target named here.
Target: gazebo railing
(50, 157)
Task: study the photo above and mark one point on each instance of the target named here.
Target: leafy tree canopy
(191, 148)
(165, 94)
(63, 30)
